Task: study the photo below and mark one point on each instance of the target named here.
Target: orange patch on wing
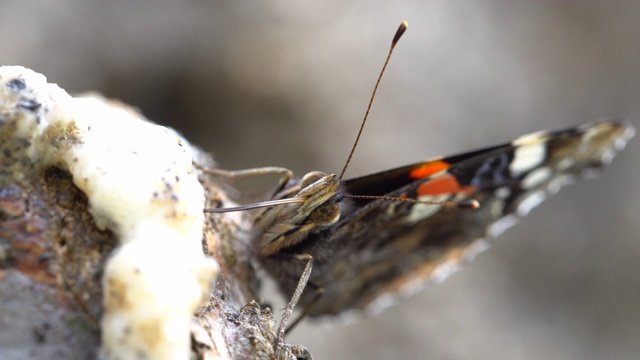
(428, 169)
(447, 184)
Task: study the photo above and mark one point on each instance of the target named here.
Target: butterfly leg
(285, 174)
(319, 291)
(302, 283)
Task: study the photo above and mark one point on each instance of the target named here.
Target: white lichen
(140, 184)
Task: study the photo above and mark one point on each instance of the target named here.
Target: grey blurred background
(286, 83)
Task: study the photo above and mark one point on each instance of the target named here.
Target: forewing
(381, 247)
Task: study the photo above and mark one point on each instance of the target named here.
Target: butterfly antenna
(401, 29)
(396, 38)
(463, 204)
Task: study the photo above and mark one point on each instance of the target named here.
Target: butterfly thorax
(284, 226)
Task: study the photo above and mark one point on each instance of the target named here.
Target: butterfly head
(286, 226)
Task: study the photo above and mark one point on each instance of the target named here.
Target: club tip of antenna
(399, 32)
(468, 204)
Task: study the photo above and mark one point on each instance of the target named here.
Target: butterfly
(363, 248)
(348, 245)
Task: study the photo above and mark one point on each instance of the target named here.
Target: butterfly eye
(326, 214)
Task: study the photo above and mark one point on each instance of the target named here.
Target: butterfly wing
(382, 247)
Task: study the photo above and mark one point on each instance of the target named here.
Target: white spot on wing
(607, 156)
(502, 193)
(528, 139)
(565, 164)
(501, 225)
(621, 142)
(560, 181)
(527, 157)
(443, 271)
(449, 267)
(536, 178)
(530, 202)
(420, 212)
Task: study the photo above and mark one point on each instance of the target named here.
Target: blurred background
(286, 83)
